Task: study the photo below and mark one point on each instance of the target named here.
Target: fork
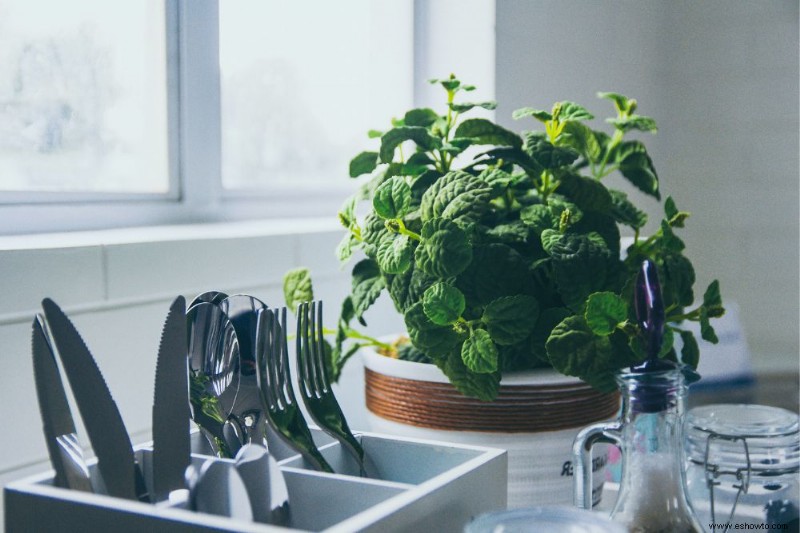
(314, 384)
(275, 384)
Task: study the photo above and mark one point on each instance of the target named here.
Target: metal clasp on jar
(714, 471)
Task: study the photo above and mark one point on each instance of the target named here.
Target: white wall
(721, 79)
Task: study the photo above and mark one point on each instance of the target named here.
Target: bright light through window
(302, 83)
(83, 96)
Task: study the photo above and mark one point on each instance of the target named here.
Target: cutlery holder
(419, 485)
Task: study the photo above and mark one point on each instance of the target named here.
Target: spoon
(265, 485)
(212, 297)
(248, 410)
(214, 376)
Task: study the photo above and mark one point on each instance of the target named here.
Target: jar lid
(562, 519)
(769, 435)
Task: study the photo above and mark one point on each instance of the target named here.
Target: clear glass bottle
(743, 466)
(649, 433)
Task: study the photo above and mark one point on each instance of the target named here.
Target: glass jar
(742, 466)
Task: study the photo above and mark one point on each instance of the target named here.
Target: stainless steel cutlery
(121, 476)
(283, 411)
(171, 447)
(314, 384)
(222, 362)
(65, 452)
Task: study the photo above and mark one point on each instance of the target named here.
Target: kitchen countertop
(777, 390)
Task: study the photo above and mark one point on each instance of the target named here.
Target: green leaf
(559, 205)
(297, 287)
(625, 212)
(546, 154)
(496, 270)
(575, 351)
(712, 300)
(436, 341)
(539, 217)
(678, 277)
(482, 386)
(420, 117)
(515, 232)
(510, 319)
(580, 266)
(443, 303)
(396, 136)
(622, 103)
(457, 196)
(444, 251)
(549, 238)
(706, 330)
(539, 114)
(347, 213)
(633, 122)
(587, 193)
(635, 164)
(548, 319)
(603, 225)
(479, 352)
(374, 229)
(675, 218)
(345, 248)
(497, 179)
(367, 284)
(374, 134)
(392, 198)
(509, 155)
(466, 106)
(690, 353)
(450, 84)
(581, 138)
(363, 163)
(421, 184)
(669, 241)
(573, 112)
(483, 131)
(394, 253)
(604, 311)
(407, 288)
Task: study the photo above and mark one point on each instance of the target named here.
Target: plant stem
(353, 334)
(402, 230)
(615, 140)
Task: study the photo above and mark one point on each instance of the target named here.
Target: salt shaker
(649, 433)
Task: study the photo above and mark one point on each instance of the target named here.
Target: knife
(112, 446)
(59, 429)
(171, 448)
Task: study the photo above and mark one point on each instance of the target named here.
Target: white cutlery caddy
(417, 486)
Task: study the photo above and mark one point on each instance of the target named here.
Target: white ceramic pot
(535, 418)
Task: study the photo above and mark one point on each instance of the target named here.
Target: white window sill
(93, 270)
(182, 232)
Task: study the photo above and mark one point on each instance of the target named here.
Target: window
(302, 82)
(83, 96)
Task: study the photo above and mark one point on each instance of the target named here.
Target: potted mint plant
(503, 254)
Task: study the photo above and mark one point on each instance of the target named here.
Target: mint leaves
(502, 250)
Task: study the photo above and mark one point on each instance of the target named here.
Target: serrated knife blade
(171, 414)
(57, 423)
(101, 417)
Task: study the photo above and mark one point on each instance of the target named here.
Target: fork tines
(311, 350)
